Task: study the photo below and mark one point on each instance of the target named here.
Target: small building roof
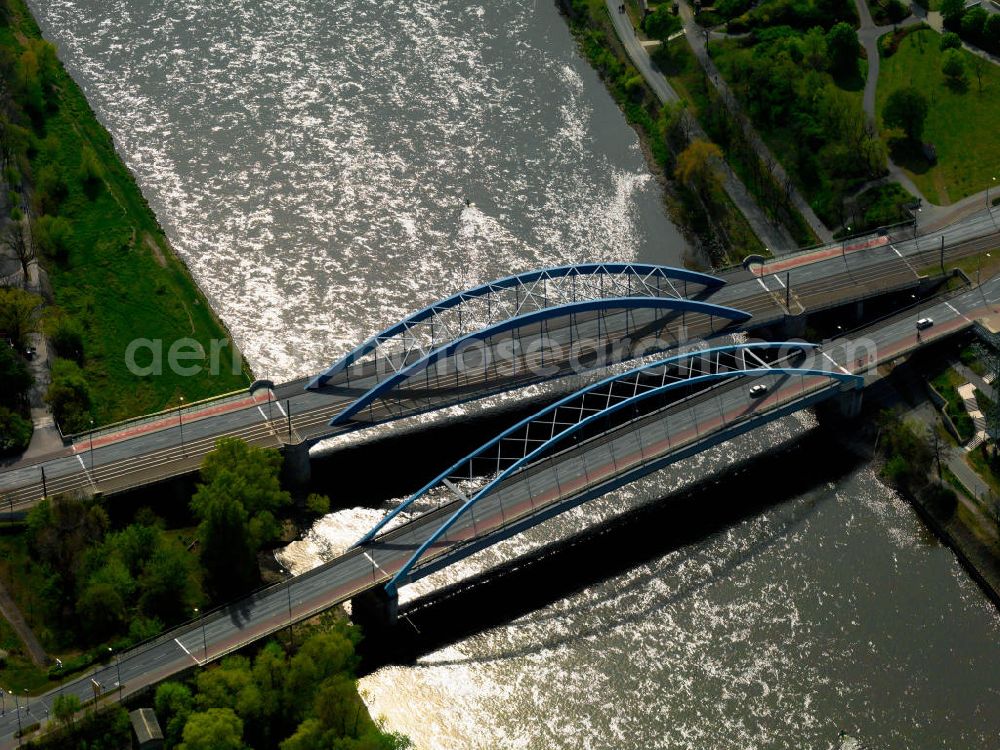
(145, 726)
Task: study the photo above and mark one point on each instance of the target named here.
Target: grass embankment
(946, 384)
(688, 79)
(711, 221)
(116, 275)
(961, 123)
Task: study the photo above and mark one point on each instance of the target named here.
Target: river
(311, 161)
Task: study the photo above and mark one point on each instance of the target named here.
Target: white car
(924, 323)
(756, 391)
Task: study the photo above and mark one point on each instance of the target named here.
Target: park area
(961, 118)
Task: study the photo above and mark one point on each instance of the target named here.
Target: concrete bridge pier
(297, 470)
(849, 403)
(795, 326)
(375, 609)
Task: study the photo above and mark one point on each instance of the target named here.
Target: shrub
(15, 376)
(52, 235)
(953, 67)
(950, 40)
(66, 335)
(15, 432)
(318, 504)
(91, 172)
(69, 396)
(50, 190)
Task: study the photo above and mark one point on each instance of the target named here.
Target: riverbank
(907, 463)
(711, 223)
(108, 274)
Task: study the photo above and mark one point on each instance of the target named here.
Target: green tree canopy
(214, 729)
(843, 46)
(906, 109)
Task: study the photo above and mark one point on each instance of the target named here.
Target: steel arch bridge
(512, 296)
(539, 438)
(424, 361)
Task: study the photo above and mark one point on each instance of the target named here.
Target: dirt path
(13, 615)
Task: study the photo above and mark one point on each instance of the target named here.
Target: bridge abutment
(375, 609)
(849, 403)
(297, 469)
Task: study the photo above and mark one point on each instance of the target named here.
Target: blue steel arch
(692, 354)
(550, 313)
(581, 269)
(856, 380)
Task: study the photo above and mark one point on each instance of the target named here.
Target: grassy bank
(961, 121)
(112, 271)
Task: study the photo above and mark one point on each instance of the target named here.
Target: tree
(101, 611)
(950, 40)
(843, 46)
(65, 708)
(953, 68)
(16, 240)
(214, 729)
(169, 587)
(952, 11)
(65, 334)
(15, 376)
(696, 167)
(18, 315)
(906, 108)
(979, 66)
(53, 235)
(236, 506)
(974, 23)
(661, 23)
(173, 705)
(69, 396)
(814, 48)
(228, 556)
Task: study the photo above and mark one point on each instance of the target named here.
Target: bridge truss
(542, 442)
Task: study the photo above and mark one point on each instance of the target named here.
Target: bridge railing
(162, 415)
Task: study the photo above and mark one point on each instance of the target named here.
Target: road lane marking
(957, 312)
(178, 642)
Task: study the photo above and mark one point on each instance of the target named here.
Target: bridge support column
(850, 403)
(375, 609)
(296, 470)
(859, 310)
(795, 326)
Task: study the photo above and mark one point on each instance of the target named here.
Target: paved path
(696, 38)
(775, 238)
(13, 615)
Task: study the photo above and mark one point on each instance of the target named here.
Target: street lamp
(17, 710)
(118, 672)
(91, 446)
(979, 268)
(180, 423)
(988, 206)
(27, 706)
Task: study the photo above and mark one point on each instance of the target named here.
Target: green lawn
(121, 279)
(961, 125)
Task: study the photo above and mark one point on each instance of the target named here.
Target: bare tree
(16, 239)
(978, 68)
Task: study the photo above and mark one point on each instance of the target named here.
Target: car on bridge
(759, 390)
(924, 323)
